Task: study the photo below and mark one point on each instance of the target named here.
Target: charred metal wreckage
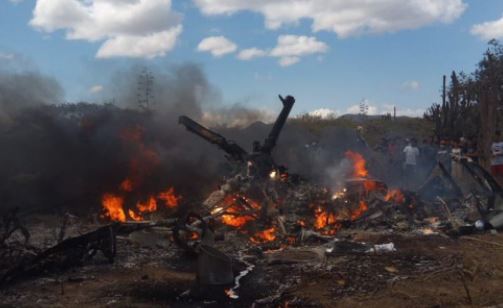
(261, 216)
(259, 162)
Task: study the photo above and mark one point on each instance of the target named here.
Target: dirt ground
(467, 272)
(424, 271)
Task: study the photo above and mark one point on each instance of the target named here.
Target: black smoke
(66, 156)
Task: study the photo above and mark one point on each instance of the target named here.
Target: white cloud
(153, 45)
(289, 49)
(129, 28)
(324, 113)
(287, 61)
(346, 18)
(411, 85)
(6, 56)
(489, 30)
(96, 89)
(251, 53)
(217, 46)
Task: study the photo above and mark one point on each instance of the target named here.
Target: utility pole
(444, 111)
(364, 108)
(145, 90)
(443, 91)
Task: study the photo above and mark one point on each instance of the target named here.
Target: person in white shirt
(411, 154)
(497, 158)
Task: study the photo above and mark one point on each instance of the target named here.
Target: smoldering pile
(135, 175)
(262, 214)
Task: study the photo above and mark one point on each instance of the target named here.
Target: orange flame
(395, 195)
(359, 212)
(144, 160)
(134, 216)
(234, 220)
(323, 218)
(194, 236)
(267, 235)
(147, 207)
(132, 134)
(234, 207)
(127, 185)
(169, 197)
(369, 185)
(113, 206)
(359, 164)
(325, 222)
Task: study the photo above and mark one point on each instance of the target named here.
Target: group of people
(415, 160)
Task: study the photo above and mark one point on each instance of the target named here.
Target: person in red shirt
(497, 158)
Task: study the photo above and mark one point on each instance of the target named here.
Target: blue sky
(388, 54)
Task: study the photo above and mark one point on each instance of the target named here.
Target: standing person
(411, 154)
(497, 158)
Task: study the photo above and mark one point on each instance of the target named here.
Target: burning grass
(114, 209)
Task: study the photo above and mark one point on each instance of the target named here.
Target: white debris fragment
(388, 247)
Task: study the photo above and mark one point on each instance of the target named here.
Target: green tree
(488, 90)
(474, 103)
(456, 117)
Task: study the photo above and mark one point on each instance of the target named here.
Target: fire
(134, 216)
(427, 231)
(194, 236)
(234, 220)
(323, 218)
(325, 222)
(169, 197)
(395, 195)
(144, 158)
(359, 164)
(143, 162)
(114, 206)
(369, 185)
(127, 185)
(267, 235)
(339, 194)
(147, 207)
(238, 210)
(363, 207)
(231, 293)
(132, 134)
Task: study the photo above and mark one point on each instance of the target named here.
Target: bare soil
(424, 271)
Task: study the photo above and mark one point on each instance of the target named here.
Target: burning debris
(264, 225)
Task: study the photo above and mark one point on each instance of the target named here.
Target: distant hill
(375, 127)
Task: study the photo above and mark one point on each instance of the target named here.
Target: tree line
(472, 104)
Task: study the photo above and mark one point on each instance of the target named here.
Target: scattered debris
(267, 232)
